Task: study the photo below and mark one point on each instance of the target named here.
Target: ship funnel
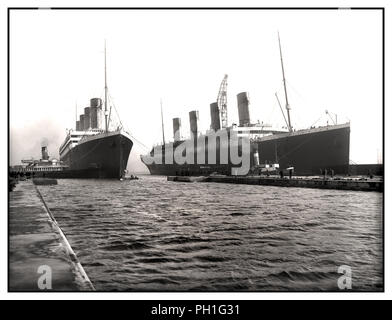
(77, 125)
(193, 119)
(215, 117)
(243, 108)
(87, 123)
(95, 102)
(177, 129)
(81, 122)
(44, 151)
(95, 113)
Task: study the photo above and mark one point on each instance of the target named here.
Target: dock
(187, 178)
(337, 183)
(40, 257)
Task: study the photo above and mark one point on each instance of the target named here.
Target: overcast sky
(333, 61)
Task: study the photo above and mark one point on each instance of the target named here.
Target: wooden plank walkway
(40, 257)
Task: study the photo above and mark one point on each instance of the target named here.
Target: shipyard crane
(222, 101)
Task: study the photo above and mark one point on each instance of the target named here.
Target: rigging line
(115, 109)
(271, 115)
(316, 121)
(278, 92)
(140, 143)
(101, 107)
(127, 128)
(102, 95)
(281, 109)
(296, 117)
(296, 91)
(304, 100)
(118, 116)
(110, 110)
(109, 117)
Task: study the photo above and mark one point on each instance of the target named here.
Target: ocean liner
(309, 151)
(92, 150)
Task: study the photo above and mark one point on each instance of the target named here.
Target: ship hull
(103, 157)
(309, 152)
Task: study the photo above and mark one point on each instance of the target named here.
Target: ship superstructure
(92, 150)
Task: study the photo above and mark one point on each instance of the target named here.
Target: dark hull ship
(308, 152)
(104, 155)
(311, 151)
(92, 150)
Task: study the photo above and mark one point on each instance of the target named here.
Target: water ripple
(151, 234)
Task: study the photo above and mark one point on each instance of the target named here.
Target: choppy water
(150, 234)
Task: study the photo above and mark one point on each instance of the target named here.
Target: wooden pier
(40, 257)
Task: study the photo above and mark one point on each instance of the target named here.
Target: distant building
(41, 165)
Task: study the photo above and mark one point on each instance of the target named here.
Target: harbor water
(155, 235)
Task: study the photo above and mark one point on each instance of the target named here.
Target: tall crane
(222, 101)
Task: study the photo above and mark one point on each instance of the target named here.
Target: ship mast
(285, 90)
(163, 128)
(106, 97)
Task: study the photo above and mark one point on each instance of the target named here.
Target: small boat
(132, 177)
